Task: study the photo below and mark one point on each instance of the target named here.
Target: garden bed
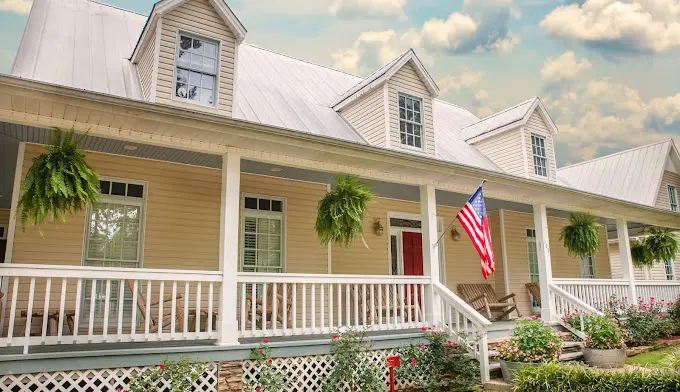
(671, 342)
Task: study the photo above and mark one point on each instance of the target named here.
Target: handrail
(462, 306)
(657, 282)
(256, 277)
(570, 298)
(590, 282)
(90, 272)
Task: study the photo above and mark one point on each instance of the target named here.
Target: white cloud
(563, 68)
(465, 80)
(651, 26)
(371, 48)
(368, 8)
(18, 6)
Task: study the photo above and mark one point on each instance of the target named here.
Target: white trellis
(92, 380)
(309, 373)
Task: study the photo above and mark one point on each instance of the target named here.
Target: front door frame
(397, 231)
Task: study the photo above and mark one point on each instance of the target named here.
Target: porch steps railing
(467, 326)
(565, 303)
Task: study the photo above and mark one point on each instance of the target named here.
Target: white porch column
(626, 259)
(544, 261)
(428, 218)
(229, 227)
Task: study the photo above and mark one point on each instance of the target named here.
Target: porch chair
(272, 301)
(483, 297)
(166, 319)
(535, 291)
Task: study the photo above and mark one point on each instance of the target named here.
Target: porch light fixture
(378, 228)
(130, 147)
(455, 235)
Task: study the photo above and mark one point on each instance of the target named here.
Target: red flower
(257, 389)
(266, 340)
(161, 366)
(270, 361)
(423, 329)
(356, 334)
(413, 361)
(335, 336)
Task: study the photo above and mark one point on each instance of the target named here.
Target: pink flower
(259, 350)
(413, 361)
(257, 389)
(266, 340)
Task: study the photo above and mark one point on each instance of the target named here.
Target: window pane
(118, 189)
(275, 226)
(105, 187)
(416, 118)
(409, 103)
(206, 96)
(263, 225)
(249, 257)
(198, 46)
(181, 90)
(409, 115)
(193, 93)
(195, 78)
(183, 58)
(402, 113)
(250, 224)
(185, 42)
(416, 105)
(277, 205)
(135, 190)
(402, 101)
(262, 242)
(264, 204)
(416, 130)
(210, 50)
(274, 242)
(209, 65)
(416, 139)
(250, 203)
(182, 76)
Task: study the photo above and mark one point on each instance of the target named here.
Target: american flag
(476, 223)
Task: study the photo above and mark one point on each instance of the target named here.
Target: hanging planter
(661, 244)
(640, 254)
(340, 215)
(59, 181)
(580, 236)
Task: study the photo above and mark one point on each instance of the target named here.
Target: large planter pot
(604, 358)
(510, 368)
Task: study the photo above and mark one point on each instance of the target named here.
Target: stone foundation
(230, 376)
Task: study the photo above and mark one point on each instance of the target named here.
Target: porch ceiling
(41, 105)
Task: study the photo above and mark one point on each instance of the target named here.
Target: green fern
(58, 182)
(340, 215)
(580, 236)
(661, 245)
(640, 254)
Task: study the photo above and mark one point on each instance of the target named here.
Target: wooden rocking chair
(166, 319)
(274, 300)
(483, 297)
(535, 291)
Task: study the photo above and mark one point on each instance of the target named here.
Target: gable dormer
(669, 187)
(392, 107)
(186, 55)
(520, 140)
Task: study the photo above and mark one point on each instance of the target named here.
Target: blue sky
(607, 70)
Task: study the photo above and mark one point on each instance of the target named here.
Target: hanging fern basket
(340, 215)
(59, 182)
(580, 236)
(661, 245)
(640, 254)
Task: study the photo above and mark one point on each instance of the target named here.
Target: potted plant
(604, 343)
(580, 236)
(532, 343)
(661, 245)
(640, 254)
(59, 181)
(340, 214)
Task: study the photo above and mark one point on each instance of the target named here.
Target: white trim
(258, 213)
(504, 253)
(675, 196)
(522, 134)
(233, 78)
(14, 205)
(538, 138)
(398, 231)
(330, 244)
(156, 61)
(519, 123)
(216, 93)
(386, 107)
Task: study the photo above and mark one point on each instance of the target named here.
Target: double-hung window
(540, 156)
(263, 228)
(669, 267)
(533, 255)
(410, 120)
(196, 69)
(114, 236)
(587, 267)
(673, 197)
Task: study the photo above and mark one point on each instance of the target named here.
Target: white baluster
(29, 314)
(401, 305)
(242, 326)
(210, 309)
(275, 306)
(380, 305)
(107, 309)
(173, 310)
(253, 308)
(285, 308)
(121, 305)
(265, 305)
(304, 308)
(185, 327)
(394, 304)
(294, 307)
(363, 303)
(409, 303)
(46, 309)
(356, 305)
(330, 305)
(133, 319)
(91, 315)
(198, 309)
(372, 304)
(348, 313)
(147, 320)
(313, 308)
(62, 305)
(339, 305)
(322, 301)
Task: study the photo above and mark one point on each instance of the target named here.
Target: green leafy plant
(441, 364)
(580, 236)
(179, 376)
(575, 319)
(556, 377)
(672, 360)
(661, 245)
(340, 215)
(674, 314)
(640, 254)
(533, 341)
(603, 332)
(351, 371)
(268, 379)
(643, 323)
(59, 181)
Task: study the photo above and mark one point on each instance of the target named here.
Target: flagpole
(450, 224)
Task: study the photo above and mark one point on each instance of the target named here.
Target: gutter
(377, 153)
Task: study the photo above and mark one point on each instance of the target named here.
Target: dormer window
(196, 70)
(540, 156)
(410, 120)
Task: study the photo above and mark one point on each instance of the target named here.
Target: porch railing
(594, 292)
(566, 303)
(51, 304)
(302, 304)
(660, 290)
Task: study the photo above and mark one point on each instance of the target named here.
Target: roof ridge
(301, 60)
(455, 105)
(118, 8)
(614, 154)
(502, 111)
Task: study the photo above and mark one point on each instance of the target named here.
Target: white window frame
(529, 260)
(540, 161)
(583, 267)
(246, 212)
(669, 265)
(673, 197)
(212, 40)
(421, 124)
(4, 232)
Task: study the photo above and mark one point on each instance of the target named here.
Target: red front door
(413, 253)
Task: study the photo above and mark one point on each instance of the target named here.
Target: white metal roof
(505, 117)
(633, 175)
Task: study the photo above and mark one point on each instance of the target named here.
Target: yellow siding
(367, 116)
(669, 178)
(406, 80)
(658, 272)
(563, 265)
(4, 216)
(146, 65)
(199, 17)
(537, 126)
(505, 150)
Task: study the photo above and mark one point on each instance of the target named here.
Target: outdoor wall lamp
(455, 235)
(378, 228)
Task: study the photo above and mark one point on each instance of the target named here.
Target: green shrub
(674, 315)
(172, 376)
(268, 378)
(643, 323)
(555, 377)
(603, 332)
(438, 365)
(351, 371)
(532, 340)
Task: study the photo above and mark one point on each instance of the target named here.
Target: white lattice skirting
(309, 373)
(99, 380)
